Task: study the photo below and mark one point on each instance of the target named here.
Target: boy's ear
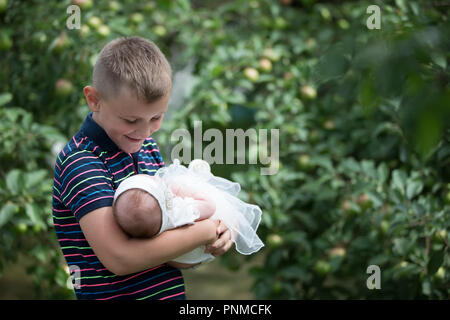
(92, 98)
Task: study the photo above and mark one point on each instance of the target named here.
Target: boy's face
(126, 120)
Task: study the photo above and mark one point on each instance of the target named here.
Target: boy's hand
(223, 243)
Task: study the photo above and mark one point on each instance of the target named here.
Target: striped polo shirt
(87, 172)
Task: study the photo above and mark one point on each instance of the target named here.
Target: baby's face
(128, 121)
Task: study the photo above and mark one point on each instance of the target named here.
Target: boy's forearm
(180, 265)
(140, 254)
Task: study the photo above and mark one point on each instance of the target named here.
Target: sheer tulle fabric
(240, 217)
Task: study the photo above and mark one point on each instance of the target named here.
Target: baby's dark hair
(138, 213)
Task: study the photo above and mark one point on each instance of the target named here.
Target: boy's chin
(132, 149)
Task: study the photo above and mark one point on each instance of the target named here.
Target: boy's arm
(180, 265)
(123, 255)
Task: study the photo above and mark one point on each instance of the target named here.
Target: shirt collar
(92, 129)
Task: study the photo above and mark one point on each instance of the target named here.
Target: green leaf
(14, 181)
(350, 164)
(376, 198)
(33, 213)
(6, 213)
(32, 179)
(402, 246)
(323, 161)
(368, 168)
(439, 59)
(295, 272)
(383, 173)
(413, 188)
(399, 180)
(5, 98)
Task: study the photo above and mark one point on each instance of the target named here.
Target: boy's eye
(135, 120)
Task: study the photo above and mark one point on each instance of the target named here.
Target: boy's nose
(146, 131)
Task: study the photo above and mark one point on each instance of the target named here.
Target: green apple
(271, 54)
(447, 198)
(20, 228)
(346, 205)
(265, 65)
(304, 162)
(5, 41)
(288, 76)
(3, 5)
(280, 23)
(63, 87)
(83, 4)
(384, 225)
(60, 43)
(252, 74)
(440, 235)
(440, 274)
(364, 201)
(308, 92)
(325, 13)
(85, 30)
(291, 129)
(149, 6)
(349, 207)
(343, 24)
(329, 125)
(322, 267)
(38, 227)
(314, 136)
(40, 37)
(277, 287)
(311, 43)
(137, 18)
(337, 252)
(274, 240)
(114, 6)
(103, 31)
(94, 22)
(159, 30)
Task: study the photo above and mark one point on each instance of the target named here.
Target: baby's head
(130, 91)
(138, 213)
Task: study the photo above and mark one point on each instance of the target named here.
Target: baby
(139, 213)
(145, 206)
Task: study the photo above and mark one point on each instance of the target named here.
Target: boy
(128, 99)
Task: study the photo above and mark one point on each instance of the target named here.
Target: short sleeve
(84, 184)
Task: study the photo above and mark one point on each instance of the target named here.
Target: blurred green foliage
(364, 119)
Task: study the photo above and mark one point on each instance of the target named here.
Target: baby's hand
(223, 243)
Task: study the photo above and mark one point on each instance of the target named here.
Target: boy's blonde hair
(136, 63)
